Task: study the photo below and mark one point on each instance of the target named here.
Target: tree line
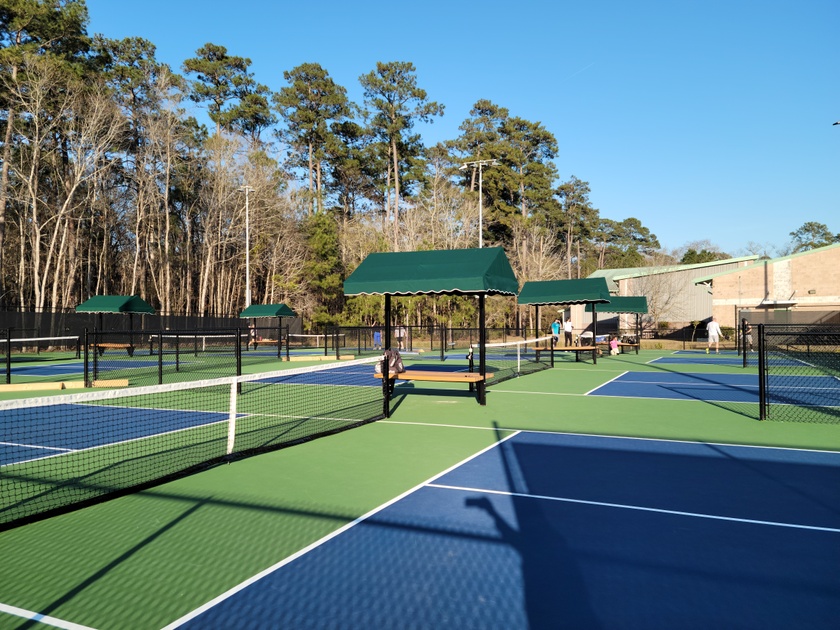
(109, 185)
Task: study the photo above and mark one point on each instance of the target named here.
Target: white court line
(38, 446)
(44, 619)
(640, 508)
(243, 585)
(615, 378)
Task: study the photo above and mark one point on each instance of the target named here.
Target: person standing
(567, 331)
(377, 339)
(748, 346)
(713, 330)
(555, 332)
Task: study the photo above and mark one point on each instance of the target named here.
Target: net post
(177, 351)
(442, 342)
(231, 438)
(762, 387)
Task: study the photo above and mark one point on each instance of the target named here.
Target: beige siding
(810, 280)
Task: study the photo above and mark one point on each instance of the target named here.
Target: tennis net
(62, 451)
(510, 359)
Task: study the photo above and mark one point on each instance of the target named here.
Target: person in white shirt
(567, 330)
(713, 330)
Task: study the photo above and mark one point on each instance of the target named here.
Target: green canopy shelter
(590, 291)
(129, 304)
(479, 272)
(626, 305)
(267, 310)
(262, 311)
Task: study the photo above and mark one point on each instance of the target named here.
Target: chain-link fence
(135, 358)
(799, 372)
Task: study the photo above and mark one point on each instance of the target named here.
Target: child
(613, 345)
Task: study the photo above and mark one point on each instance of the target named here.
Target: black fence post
(762, 384)
(386, 388)
(160, 356)
(238, 351)
(95, 356)
(8, 356)
(85, 368)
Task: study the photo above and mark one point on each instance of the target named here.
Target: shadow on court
(555, 595)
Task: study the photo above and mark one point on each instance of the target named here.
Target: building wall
(672, 295)
(810, 280)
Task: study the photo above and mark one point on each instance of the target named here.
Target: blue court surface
(727, 358)
(740, 388)
(77, 369)
(24, 439)
(571, 531)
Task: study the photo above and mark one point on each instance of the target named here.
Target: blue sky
(706, 120)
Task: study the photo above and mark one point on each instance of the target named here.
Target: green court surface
(142, 561)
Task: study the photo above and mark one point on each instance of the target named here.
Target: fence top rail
(33, 339)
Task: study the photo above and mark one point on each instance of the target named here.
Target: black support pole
(482, 342)
(387, 341)
(762, 376)
(386, 382)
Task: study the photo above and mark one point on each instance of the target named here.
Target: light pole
(247, 189)
(480, 164)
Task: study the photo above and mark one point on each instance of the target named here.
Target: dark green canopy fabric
(114, 304)
(623, 304)
(550, 292)
(267, 310)
(445, 272)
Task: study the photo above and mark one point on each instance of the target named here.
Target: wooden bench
(593, 350)
(470, 378)
(257, 342)
(102, 347)
(626, 344)
(475, 381)
(441, 377)
(621, 346)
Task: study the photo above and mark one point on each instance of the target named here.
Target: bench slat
(442, 377)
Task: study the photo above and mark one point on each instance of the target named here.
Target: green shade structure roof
(623, 304)
(550, 292)
(114, 304)
(268, 310)
(445, 272)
